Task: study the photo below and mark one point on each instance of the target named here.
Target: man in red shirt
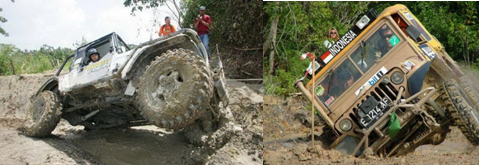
(202, 24)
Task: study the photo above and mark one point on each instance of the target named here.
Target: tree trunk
(274, 25)
(274, 28)
(13, 68)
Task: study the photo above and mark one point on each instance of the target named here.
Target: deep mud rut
(287, 141)
(138, 145)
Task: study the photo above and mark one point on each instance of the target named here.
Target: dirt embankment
(138, 145)
(287, 139)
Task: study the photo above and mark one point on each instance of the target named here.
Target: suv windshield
(360, 61)
(337, 82)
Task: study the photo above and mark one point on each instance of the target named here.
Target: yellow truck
(388, 86)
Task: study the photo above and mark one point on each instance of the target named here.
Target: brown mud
(137, 145)
(287, 141)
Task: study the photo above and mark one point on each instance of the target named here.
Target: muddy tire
(470, 91)
(44, 115)
(212, 130)
(459, 108)
(175, 89)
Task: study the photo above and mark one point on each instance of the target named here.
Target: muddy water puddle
(138, 145)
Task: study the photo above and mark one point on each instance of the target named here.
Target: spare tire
(460, 108)
(175, 89)
(44, 115)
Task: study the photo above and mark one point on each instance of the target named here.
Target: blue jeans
(205, 39)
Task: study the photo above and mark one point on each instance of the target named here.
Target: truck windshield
(364, 58)
(337, 82)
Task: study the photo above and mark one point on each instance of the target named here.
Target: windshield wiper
(330, 75)
(364, 47)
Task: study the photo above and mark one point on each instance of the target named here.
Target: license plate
(373, 115)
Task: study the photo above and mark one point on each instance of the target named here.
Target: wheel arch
(416, 79)
(144, 57)
(51, 84)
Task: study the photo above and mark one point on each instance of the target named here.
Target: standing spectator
(333, 36)
(202, 24)
(167, 28)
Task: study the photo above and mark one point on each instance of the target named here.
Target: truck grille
(373, 105)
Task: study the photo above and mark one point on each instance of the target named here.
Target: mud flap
(130, 90)
(222, 93)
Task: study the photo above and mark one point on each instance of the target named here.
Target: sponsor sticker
(394, 40)
(93, 67)
(409, 65)
(373, 80)
(319, 90)
(428, 51)
(338, 46)
(329, 101)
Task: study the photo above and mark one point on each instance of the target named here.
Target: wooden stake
(312, 103)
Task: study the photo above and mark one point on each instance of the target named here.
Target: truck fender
(415, 81)
(51, 84)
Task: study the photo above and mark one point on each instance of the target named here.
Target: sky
(61, 23)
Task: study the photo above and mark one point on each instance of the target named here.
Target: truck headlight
(362, 22)
(345, 125)
(397, 77)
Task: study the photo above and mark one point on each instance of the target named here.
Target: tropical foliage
(16, 61)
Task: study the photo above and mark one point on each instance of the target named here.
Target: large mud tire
(466, 84)
(212, 130)
(459, 107)
(175, 89)
(43, 116)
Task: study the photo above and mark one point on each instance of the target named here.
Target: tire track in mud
(139, 145)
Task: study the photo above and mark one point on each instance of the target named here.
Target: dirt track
(138, 145)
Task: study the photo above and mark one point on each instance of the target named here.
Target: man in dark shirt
(386, 35)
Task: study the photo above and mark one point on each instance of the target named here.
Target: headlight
(345, 125)
(397, 77)
(362, 22)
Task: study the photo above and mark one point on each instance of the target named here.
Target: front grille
(382, 95)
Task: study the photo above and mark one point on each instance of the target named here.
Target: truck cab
(83, 71)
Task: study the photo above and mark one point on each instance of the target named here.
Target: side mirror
(413, 32)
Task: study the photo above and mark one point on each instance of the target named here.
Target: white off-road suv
(168, 82)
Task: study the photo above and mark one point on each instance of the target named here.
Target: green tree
(6, 53)
(3, 20)
(30, 61)
(303, 27)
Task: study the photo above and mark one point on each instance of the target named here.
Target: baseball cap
(202, 8)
